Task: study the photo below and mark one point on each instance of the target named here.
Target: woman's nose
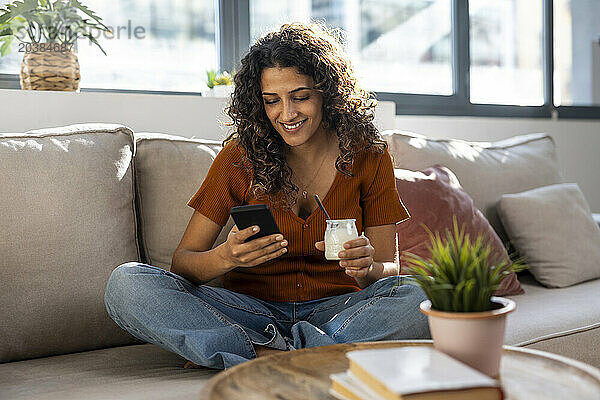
(289, 111)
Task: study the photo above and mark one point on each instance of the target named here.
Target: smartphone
(255, 214)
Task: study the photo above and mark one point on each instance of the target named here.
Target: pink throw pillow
(432, 196)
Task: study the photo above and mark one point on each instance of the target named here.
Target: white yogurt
(338, 232)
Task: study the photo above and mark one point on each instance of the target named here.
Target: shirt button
(305, 226)
(299, 285)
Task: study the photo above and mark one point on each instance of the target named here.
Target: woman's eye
(276, 100)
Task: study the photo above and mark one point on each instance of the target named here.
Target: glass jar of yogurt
(338, 232)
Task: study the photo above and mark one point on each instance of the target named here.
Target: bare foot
(265, 351)
(190, 364)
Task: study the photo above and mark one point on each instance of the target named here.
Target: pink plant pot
(475, 338)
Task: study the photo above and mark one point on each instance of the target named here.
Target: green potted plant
(47, 31)
(219, 83)
(466, 321)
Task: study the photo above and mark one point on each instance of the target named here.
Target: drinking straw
(322, 207)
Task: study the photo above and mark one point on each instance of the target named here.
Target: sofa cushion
(485, 170)
(169, 170)
(546, 318)
(433, 198)
(67, 221)
(141, 372)
(553, 229)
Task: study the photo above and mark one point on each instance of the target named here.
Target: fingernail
(346, 246)
(341, 254)
(343, 264)
(255, 229)
(278, 237)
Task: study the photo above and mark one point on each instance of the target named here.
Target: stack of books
(411, 373)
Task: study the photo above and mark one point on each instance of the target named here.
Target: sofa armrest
(596, 218)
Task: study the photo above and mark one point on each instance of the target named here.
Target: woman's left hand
(356, 258)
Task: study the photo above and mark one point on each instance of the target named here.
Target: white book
(419, 372)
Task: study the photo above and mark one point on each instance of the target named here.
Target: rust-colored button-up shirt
(303, 273)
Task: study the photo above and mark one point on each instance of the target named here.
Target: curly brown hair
(347, 108)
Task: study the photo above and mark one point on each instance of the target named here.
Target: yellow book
(345, 386)
(417, 373)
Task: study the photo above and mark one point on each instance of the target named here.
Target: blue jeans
(218, 328)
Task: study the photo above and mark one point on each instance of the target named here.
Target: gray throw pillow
(486, 170)
(169, 170)
(67, 219)
(553, 228)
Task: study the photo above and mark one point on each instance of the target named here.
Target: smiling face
(292, 105)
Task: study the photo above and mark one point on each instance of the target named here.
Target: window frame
(233, 39)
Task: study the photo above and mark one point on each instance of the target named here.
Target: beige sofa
(77, 201)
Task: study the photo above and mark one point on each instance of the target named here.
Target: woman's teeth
(292, 127)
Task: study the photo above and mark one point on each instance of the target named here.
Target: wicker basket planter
(50, 70)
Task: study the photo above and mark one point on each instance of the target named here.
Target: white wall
(177, 115)
(577, 141)
(189, 116)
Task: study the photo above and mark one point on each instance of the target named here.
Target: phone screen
(255, 214)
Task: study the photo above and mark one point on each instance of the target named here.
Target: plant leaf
(6, 46)
(17, 8)
(461, 274)
(77, 4)
(93, 39)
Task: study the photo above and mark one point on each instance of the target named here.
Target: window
(174, 51)
(528, 58)
(576, 53)
(506, 52)
(155, 45)
(372, 29)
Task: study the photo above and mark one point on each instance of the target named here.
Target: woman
(302, 127)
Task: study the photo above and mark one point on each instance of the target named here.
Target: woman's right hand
(238, 253)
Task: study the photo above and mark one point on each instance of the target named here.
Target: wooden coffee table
(304, 374)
